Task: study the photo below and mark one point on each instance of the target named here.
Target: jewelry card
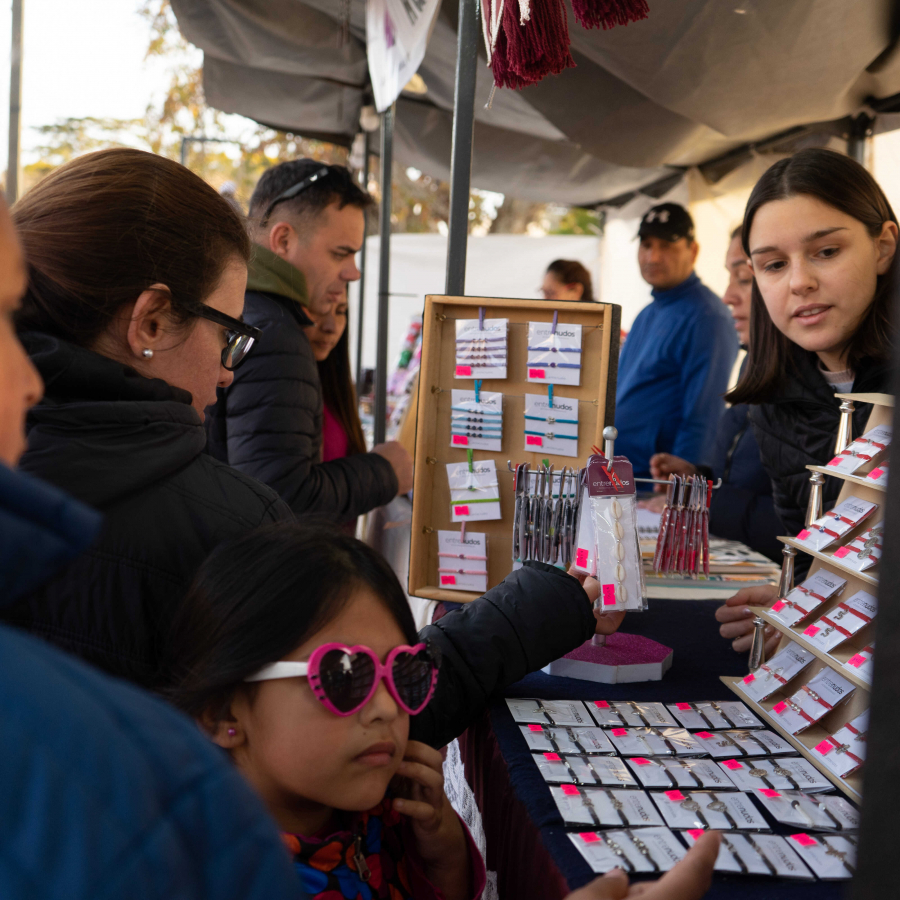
(654, 849)
(758, 742)
(474, 491)
(863, 551)
(755, 854)
(864, 449)
(604, 770)
(836, 523)
(714, 714)
(481, 348)
(723, 811)
(630, 712)
(462, 561)
(831, 857)
(777, 672)
(551, 424)
(803, 600)
(604, 807)
(573, 740)
(829, 812)
(787, 773)
(845, 751)
(824, 692)
(655, 742)
(476, 423)
(843, 621)
(549, 712)
(666, 772)
(554, 353)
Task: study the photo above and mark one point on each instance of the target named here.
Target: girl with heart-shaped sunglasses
(296, 651)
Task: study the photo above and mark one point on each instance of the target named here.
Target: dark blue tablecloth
(701, 656)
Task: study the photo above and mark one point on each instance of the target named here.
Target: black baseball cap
(668, 221)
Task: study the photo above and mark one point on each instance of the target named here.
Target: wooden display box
(431, 492)
(854, 486)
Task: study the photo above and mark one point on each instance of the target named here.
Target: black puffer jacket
(268, 424)
(799, 428)
(131, 447)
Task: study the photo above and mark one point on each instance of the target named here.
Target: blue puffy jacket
(106, 792)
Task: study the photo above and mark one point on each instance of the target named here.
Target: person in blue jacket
(676, 361)
(742, 508)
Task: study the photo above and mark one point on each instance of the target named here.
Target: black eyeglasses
(292, 191)
(241, 336)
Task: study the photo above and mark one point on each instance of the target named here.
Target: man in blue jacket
(675, 364)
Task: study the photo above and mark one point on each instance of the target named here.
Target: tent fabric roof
(695, 80)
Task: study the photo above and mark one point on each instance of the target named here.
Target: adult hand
(401, 461)
(688, 880)
(607, 622)
(737, 617)
(662, 465)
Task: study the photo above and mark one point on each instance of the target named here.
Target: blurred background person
(567, 279)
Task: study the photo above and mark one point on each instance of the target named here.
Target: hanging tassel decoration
(609, 13)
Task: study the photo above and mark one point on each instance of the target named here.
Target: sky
(81, 58)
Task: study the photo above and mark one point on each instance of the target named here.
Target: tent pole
(860, 129)
(15, 105)
(384, 273)
(362, 275)
(461, 154)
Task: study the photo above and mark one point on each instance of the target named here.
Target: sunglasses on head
(240, 337)
(292, 192)
(344, 679)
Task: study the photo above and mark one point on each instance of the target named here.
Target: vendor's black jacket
(799, 427)
(133, 448)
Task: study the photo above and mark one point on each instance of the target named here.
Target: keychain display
(481, 347)
(666, 772)
(714, 714)
(842, 622)
(831, 857)
(654, 849)
(879, 475)
(549, 712)
(474, 491)
(604, 770)
(758, 742)
(864, 449)
(682, 545)
(476, 419)
(721, 810)
(836, 523)
(630, 712)
(861, 663)
(655, 742)
(604, 807)
(789, 662)
(545, 515)
(820, 812)
(755, 854)
(554, 352)
(805, 707)
(845, 751)
(576, 741)
(551, 424)
(804, 599)
(463, 560)
(779, 774)
(863, 551)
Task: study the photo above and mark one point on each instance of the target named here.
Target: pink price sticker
(876, 473)
(581, 557)
(641, 761)
(732, 764)
(685, 706)
(552, 757)
(749, 678)
(824, 748)
(448, 579)
(779, 707)
(601, 704)
(620, 732)
(696, 833)
(675, 796)
(533, 440)
(841, 552)
(461, 439)
(857, 660)
(461, 510)
(536, 373)
(768, 792)
(589, 837)
(704, 735)
(778, 606)
(836, 461)
(463, 371)
(535, 727)
(811, 630)
(570, 790)
(609, 594)
(803, 535)
(804, 840)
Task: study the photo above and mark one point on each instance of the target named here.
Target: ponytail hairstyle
(570, 271)
(847, 186)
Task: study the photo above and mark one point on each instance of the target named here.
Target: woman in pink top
(342, 433)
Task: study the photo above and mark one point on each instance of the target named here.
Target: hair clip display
(551, 424)
(481, 347)
(545, 515)
(777, 672)
(554, 352)
(842, 622)
(804, 599)
(864, 449)
(462, 560)
(682, 544)
(845, 751)
(755, 854)
(836, 523)
(476, 419)
(474, 491)
(863, 551)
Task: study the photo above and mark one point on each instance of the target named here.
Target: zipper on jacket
(358, 858)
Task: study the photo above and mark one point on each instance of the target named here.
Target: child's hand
(440, 838)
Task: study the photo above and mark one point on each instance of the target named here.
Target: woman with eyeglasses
(137, 270)
(567, 279)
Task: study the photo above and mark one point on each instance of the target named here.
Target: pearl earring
(232, 732)
(147, 353)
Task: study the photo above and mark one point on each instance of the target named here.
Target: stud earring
(232, 732)
(147, 353)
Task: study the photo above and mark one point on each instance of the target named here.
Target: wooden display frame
(854, 485)
(431, 494)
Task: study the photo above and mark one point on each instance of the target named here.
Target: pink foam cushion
(621, 650)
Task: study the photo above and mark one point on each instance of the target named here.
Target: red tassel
(609, 13)
(525, 54)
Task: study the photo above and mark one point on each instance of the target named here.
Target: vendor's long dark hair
(847, 186)
(339, 393)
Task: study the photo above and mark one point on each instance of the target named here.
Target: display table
(526, 842)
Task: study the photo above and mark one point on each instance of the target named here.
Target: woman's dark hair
(256, 599)
(103, 228)
(570, 271)
(843, 183)
(339, 393)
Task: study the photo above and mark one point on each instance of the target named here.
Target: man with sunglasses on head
(306, 220)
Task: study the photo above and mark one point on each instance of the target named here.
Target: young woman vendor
(822, 238)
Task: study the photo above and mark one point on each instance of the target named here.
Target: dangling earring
(147, 353)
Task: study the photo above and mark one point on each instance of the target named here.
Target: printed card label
(552, 757)
(675, 796)
(589, 837)
(811, 630)
(640, 761)
(570, 790)
(601, 704)
(841, 552)
(463, 371)
(732, 764)
(581, 557)
(461, 440)
(461, 510)
(835, 462)
(824, 748)
(857, 660)
(748, 678)
(609, 595)
(804, 840)
(620, 732)
(533, 440)
(696, 833)
(779, 606)
(705, 735)
(535, 727)
(779, 707)
(803, 535)
(448, 579)
(768, 792)
(535, 373)
(876, 473)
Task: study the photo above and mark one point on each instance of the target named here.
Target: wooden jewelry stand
(431, 491)
(854, 485)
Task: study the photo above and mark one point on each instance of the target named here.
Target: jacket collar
(678, 291)
(270, 274)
